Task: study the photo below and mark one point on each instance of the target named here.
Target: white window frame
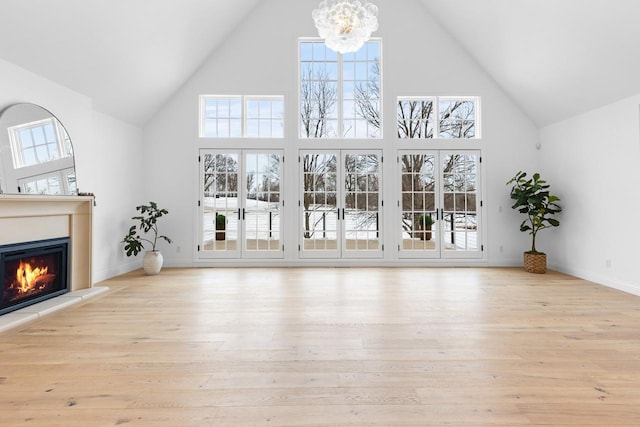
(240, 251)
(441, 251)
(218, 119)
(340, 119)
(341, 251)
(243, 101)
(436, 100)
(273, 120)
(66, 182)
(17, 148)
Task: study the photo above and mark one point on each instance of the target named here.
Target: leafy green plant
(221, 224)
(425, 220)
(533, 199)
(147, 224)
(221, 221)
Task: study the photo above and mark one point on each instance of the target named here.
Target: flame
(27, 276)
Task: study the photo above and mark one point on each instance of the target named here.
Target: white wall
(592, 162)
(260, 57)
(106, 152)
(115, 176)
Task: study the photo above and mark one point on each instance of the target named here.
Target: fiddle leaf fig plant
(533, 199)
(146, 231)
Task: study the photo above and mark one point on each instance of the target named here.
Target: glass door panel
(319, 222)
(439, 204)
(340, 204)
(241, 204)
(261, 213)
(460, 204)
(219, 204)
(418, 215)
(362, 205)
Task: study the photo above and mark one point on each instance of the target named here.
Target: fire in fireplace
(33, 272)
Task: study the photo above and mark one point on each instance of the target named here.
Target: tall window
(241, 116)
(438, 117)
(340, 95)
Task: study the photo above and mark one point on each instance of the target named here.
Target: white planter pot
(152, 262)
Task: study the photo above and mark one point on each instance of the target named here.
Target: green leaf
(147, 223)
(533, 199)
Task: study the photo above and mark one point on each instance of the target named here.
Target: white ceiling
(555, 58)
(129, 56)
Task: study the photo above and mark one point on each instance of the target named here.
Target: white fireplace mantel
(25, 218)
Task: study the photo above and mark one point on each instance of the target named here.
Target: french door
(240, 204)
(439, 204)
(340, 204)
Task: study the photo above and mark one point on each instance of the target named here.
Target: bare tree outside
(220, 174)
(318, 98)
(368, 98)
(416, 119)
(362, 188)
(457, 119)
(319, 189)
(418, 190)
(263, 180)
(458, 172)
(319, 119)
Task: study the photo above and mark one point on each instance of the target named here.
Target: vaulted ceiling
(129, 56)
(555, 58)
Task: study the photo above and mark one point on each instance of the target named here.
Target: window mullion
(243, 116)
(436, 127)
(340, 97)
(59, 140)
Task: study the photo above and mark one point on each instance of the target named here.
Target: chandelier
(345, 25)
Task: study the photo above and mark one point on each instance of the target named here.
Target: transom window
(340, 95)
(265, 117)
(241, 116)
(438, 117)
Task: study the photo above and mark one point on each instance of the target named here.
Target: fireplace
(33, 271)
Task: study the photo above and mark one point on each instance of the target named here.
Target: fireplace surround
(26, 218)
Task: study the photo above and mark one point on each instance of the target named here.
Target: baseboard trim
(630, 288)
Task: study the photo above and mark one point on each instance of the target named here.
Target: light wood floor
(328, 346)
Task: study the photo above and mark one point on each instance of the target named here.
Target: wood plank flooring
(330, 347)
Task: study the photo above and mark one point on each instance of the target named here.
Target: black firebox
(33, 271)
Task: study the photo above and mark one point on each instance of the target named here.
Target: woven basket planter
(535, 263)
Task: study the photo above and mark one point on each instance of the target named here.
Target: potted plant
(137, 238)
(221, 224)
(533, 199)
(425, 222)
